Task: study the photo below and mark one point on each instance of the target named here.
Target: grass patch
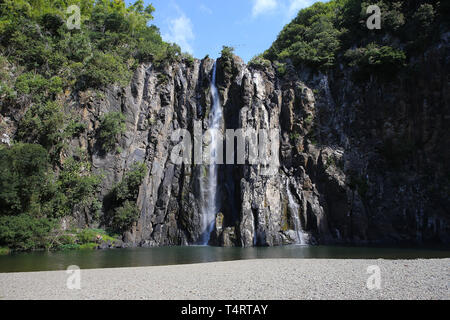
(88, 246)
(84, 239)
(87, 236)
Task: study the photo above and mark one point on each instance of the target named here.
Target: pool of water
(140, 257)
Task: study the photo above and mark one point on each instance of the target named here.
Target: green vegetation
(41, 61)
(227, 52)
(85, 239)
(33, 197)
(327, 34)
(24, 177)
(79, 186)
(188, 59)
(259, 61)
(227, 60)
(128, 188)
(332, 162)
(111, 40)
(91, 235)
(6, 84)
(125, 215)
(311, 38)
(88, 246)
(124, 211)
(28, 184)
(309, 120)
(37, 87)
(281, 68)
(104, 68)
(4, 251)
(44, 124)
(111, 128)
(294, 136)
(162, 79)
(25, 232)
(376, 60)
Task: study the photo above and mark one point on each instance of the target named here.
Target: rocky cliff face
(359, 162)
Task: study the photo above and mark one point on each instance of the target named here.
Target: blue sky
(202, 27)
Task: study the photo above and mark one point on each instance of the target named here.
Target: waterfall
(210, 206)
(294, 207)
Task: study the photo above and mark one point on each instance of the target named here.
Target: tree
(111, 128)
(102, 69)
(24, 173)
(375, 59)
(125, 216)
(24, 232)
(43, 124)
(128, 188)
(123, 211)
(311, 38)
(78, 185)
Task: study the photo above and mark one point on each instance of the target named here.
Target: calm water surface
(140, 257)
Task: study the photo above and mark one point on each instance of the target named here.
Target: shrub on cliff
(226, 60)
(376, 60)
(125, 216)
(111, 128)
(47, 124)
(79, 186)
(259, 61)
(104, 68)
(128, 188)
(123, 211)
(38, 87)
(227, 52)
(188, 59)
(42, 124)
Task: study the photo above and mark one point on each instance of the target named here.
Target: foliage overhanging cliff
(42, 62)
(363, 115)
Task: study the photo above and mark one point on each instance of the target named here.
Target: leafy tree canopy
(320, 35)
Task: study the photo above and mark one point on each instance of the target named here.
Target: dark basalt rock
(366, 162)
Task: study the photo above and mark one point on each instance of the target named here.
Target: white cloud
(181, 32)
(263, 7)
(296, 5)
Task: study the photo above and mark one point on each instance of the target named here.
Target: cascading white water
(210, 206)
(301, 239)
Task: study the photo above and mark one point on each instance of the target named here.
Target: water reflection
(138, 257)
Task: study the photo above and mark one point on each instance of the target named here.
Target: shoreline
(271, 279)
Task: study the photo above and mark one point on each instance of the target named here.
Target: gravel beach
(247, 279)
